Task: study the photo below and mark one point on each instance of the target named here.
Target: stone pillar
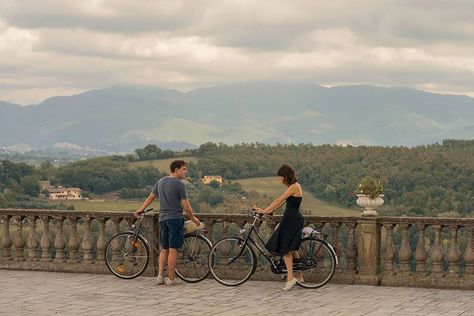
(335, 242)
(59, 242)
(101, 242)
(389, 251)
(469, 254)
(454, 254)
(404, 253)
(32, 241)
(6, 240)
(115, 245)
(420, 252)
(88, 242)
(369, 251)
(73, 242)
(45, 240)
(351, 252)
(150, 223)
(18, 240)
(209, 224)
(436, 252)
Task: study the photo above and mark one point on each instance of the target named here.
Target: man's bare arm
(189, 211)
(147, 202)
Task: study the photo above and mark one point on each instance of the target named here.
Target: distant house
(61, 193)
(209, 179)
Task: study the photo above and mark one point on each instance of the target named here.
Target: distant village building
(61, 193)
(209, 179)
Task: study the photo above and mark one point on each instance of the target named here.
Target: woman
(286, 239)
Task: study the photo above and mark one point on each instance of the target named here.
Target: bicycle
(232, 260)
(127, 254)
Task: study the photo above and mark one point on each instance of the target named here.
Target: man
(171, 191)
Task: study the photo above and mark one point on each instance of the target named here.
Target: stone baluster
(404, 252)
(420, 252)
(32, 241)
(351, 252)
(454, 254)
(74, 241)
(18, 240)
(436, 252)
(389, 250)
(59, 241)
(335, 242)
(225, 229)
(45, 240)
(88, 242)
(469, 254)
(116, 257)
(6, 240)
(209, 224)
(101, 241)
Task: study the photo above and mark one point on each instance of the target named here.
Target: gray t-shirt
(170, 191)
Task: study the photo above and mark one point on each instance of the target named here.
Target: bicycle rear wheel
(127, 255)
(316, 263)
(192, 258)
(231, 263)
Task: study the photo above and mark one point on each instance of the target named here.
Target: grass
(161, 164)
(272, 187)
(108, 205)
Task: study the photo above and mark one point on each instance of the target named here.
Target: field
(161, 164)
(310, 205)
(108, 205)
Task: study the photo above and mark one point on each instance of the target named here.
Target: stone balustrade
(400, 251)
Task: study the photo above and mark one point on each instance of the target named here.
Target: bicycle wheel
(127, 255)
(192, 258)
(316, 262)
(230, 262)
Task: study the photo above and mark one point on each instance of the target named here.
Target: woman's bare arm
(280, 200)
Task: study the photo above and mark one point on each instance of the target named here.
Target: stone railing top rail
(245, 217)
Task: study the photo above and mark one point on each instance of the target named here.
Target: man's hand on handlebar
(139, 212)
(258, 210)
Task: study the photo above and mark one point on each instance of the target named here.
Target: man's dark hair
(288, 173)
(176, 164)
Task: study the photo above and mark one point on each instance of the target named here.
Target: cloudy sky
(48, 48)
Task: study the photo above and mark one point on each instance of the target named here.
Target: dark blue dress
(287, 237)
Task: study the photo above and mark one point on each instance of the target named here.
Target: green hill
(310, 205)
(161, 164)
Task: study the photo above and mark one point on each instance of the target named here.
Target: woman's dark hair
(177, 164)
(288, 173)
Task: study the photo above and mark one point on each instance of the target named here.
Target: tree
(30, 185)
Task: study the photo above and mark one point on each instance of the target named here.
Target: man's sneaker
(160, 280)
(168, 281)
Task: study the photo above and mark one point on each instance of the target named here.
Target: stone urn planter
(370, 204)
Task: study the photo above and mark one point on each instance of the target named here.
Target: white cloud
(48, 49)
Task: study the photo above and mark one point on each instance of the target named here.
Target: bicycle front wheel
(127, 255)
(315, 261)
(192, 264)
(231, 263)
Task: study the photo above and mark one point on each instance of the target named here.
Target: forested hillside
(423, 180)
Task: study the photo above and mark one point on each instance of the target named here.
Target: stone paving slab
(50, 293)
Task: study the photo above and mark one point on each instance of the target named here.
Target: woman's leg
(299, 275)
(289, 265)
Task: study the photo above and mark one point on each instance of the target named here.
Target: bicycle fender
(333, 252)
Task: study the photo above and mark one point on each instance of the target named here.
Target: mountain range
(123, 118)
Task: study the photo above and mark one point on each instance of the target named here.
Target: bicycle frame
(265, 253)
(250, 239)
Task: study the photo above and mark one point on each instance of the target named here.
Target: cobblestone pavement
(47, 293)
